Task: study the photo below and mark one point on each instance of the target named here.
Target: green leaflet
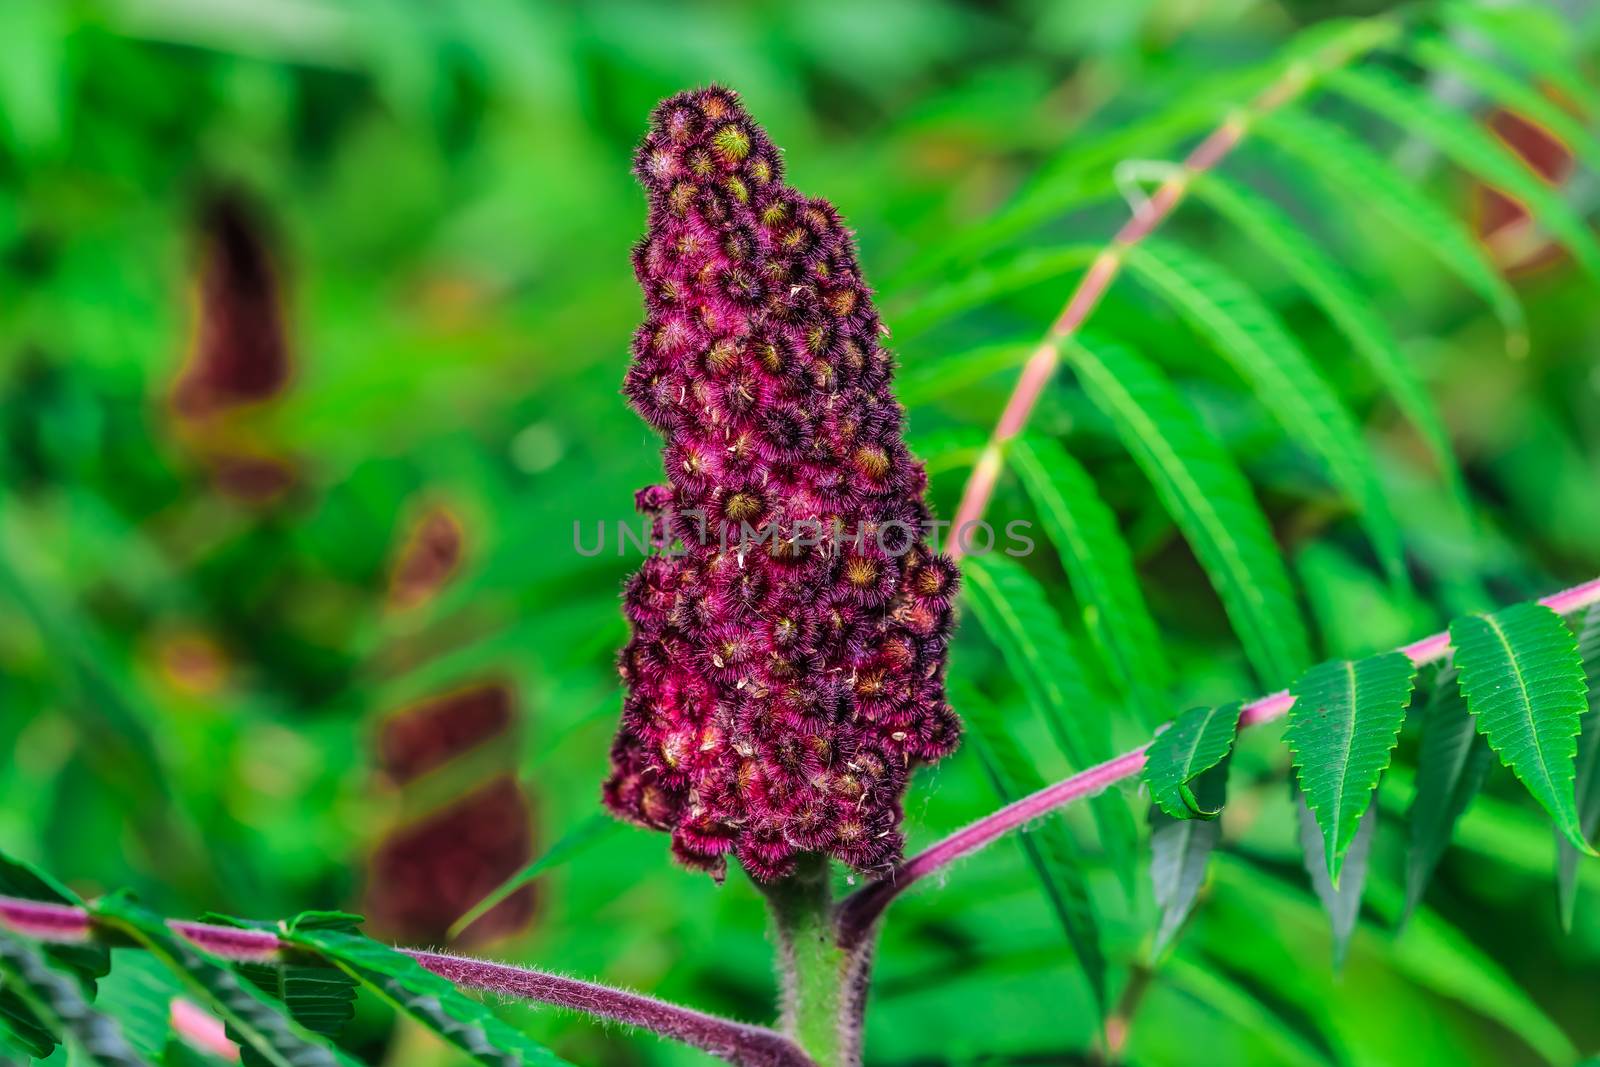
(1208, 499)
(1536, 37)
(252, 1018)
(86, 963)
(1011, 607)
(1342, 730)
(587, 833)
(1265, 223)
(1341, 901)
(1588, 765)
(1509, 92)
(1247, 334)
(429, 999)
(1524, 682)
(1095, 556)
(941, 373)
(987, 284)
(1460, 137)
(1197, 740)
(1451, 763)
(1051, 850)
(1369, 180)
(60, 1004)
(1179, 849)
(139, 995)
(320, 997)
(1050, 196)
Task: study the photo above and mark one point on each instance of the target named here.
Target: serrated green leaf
(1451, 763)
(1196, 741)
(319, 996)
(1208, 499)
(1098, 564)
(1587, 785)
(426, 997)
(1368, 180)
(1524, 683)
(1509, 92)
(1265, 223)
(1011, 607)
(1461, 138)
(587, 833)
(1343, 727)
(1341, 902)
(252, 1018)
(1249, 336)
(58, 1002)
(1179, 849)
(1051, 850)
(85, 962)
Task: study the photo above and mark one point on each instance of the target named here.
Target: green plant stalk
(822, 983)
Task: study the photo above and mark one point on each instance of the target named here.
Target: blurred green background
(204, 644)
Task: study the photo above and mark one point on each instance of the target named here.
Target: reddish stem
(739, 1043)
(1041, 366)
(858, 912)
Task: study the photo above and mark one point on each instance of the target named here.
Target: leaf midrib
(1526, 704)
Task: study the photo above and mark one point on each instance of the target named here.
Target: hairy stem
(823, 983)
(739, 1043)
(859, 912)
(1041, 366)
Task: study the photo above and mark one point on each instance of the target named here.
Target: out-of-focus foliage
(216, 617)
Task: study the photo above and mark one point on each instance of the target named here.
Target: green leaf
(1539, 38)
(1051, 850)
(1343, 727)
(59, 1003)
(1451, 763)
(1247, 334)
(574, 842)
(1197, 740)
(1588, 768)
(1369, 181)
(1524, 682)
(948, 371)
(426, 997)
(1508, 92)
(319, 996)
(139, 994)
(1011, 607)
(252, 1018)
(1179, 849)
(985, 285)
(1341, 902)
(1265, 223)
(1096, 559)
(1460, 137)
(1208, 499)
(85, 962)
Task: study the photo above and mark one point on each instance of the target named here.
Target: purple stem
(739, 1043)
(858, 912)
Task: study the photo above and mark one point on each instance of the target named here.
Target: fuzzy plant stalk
(785, 672)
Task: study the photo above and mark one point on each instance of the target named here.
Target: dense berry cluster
(779, 687)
